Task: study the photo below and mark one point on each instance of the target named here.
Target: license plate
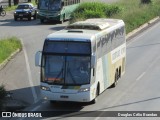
(64, 96)
(20, 14)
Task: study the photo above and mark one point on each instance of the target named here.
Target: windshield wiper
(59, 74)
(71, 76)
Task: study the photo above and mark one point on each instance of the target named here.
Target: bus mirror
(38, 56)
(93, 61)
(62, 4)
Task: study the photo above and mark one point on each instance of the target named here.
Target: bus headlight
(84, 90)
(45, 88)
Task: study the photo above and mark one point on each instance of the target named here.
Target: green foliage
(94, 10)
(135, 14)
(8, 46)
(13, 7)
(146, 1)
(3, 94)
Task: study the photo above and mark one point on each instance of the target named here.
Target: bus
(58, 10)
(81, 61)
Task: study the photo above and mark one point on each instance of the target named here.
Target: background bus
(58, 10)
(80, 62)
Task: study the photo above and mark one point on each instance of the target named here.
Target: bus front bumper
(45, 17)
(78, 97)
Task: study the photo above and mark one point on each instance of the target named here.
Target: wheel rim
(3, 13)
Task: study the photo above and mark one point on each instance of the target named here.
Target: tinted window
(67, 47)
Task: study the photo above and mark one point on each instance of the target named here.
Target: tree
(16, 2)
(9, 3)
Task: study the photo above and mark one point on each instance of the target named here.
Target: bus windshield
(50, 5)
(55, 5)
(67, 70)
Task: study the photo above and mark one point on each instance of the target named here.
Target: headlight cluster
(45, 88)
(84, 90)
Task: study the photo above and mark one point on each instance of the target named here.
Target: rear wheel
(3, 13)
(115, 80)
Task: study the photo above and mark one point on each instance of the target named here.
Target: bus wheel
(119, 73)
(115, 80)
(63, 18)
(97, 93)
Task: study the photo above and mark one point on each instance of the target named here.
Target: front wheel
(63, 19)
(96, 99)
(35, 16)
(29, 18)
(15, 18)
(3, 13)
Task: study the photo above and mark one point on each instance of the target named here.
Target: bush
(94, 10)
(135, 14)
(3, 94)
(146, 1)
(8, 46)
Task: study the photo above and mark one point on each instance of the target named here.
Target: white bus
(82, 60)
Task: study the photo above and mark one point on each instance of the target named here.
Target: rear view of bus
(74, 68)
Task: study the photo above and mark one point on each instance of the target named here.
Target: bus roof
(86, 30)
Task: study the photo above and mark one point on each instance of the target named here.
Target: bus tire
(97, 93)
(63, 19)
(119, 73)
(115, 80)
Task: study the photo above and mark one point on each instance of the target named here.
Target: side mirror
(38, 56)
(93, 61)
(62, 4)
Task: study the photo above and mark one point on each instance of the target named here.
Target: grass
(94, 10)
(13, 7)
(8, 46)
(132, 12)
(135, 14)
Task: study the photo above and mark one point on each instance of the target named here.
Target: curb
(4, 63)
(142, 27)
